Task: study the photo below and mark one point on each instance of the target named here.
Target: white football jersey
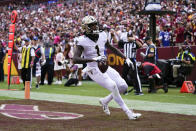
(91, 48)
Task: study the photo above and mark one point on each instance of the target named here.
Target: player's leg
(122, 87)
(104, 80)
(80, 66)
(120, 82)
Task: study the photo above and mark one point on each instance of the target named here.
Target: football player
(92, 45)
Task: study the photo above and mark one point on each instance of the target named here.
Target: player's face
(93, 27)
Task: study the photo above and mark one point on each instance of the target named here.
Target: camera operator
(187, 60)
(177, 65)
(154, 76)
(189, 57)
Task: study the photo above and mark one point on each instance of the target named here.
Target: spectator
(165, 37)
(58, 68)
(2, 57)
(179, 34)
(73, 77)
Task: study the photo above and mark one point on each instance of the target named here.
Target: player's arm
(115, 50)
(77, 59)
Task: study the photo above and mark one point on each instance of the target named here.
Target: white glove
(65, 61)
(142, 54)
(43, 62)
(130, 63)
(100, 58)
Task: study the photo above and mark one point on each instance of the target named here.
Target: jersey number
(97, 48)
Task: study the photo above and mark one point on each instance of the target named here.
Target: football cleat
(105, 107)
(133, 116)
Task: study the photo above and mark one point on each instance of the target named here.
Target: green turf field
(90, 88)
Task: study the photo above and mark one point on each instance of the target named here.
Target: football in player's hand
(60, 63)
(103, 66)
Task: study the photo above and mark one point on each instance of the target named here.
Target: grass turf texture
(90, 88)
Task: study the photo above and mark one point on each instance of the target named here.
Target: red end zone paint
(32, 112)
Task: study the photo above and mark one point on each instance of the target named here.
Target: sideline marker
(187, 87)
(27, 89)
(15, 80)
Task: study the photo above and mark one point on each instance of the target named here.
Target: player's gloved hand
(100, 58)
(43, 62)
(60, 63)
(130, 63)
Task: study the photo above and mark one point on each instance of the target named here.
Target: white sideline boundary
(185, 109)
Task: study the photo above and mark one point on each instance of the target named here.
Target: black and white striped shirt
(130, 48)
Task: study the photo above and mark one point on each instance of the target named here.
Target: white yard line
(134, 104)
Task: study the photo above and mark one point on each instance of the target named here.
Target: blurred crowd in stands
(59, 23)
(63, 19)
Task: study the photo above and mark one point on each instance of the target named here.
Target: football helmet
(90, 25)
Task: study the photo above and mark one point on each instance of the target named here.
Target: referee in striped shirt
(130, 45)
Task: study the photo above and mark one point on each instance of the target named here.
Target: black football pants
(133, 75)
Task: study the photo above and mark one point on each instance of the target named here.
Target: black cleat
(139, 93)
(165, 88)
(37, 86)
